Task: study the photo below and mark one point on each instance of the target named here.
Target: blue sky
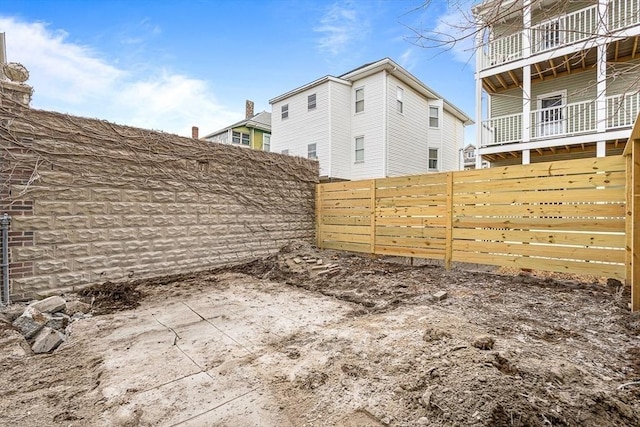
(169, 65)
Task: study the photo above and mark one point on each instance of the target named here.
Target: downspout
(5, 221)
(385, 128)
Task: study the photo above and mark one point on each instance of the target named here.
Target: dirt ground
(274, 342)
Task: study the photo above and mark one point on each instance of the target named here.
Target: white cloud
(408, 59)
(68, 77)
(340, 26)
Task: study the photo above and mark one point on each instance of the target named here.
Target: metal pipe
(5, 221)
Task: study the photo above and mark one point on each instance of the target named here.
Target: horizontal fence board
(550, 196)
(347, 185)
(562, 266)
(541, 250)
(412, 191)
(571, 167)
(348, 238)
(345, 220)
(575, 238)
(345, 203)
(410, 252)
(411, 180)
(347, 211)
(565, 224)
(412, 242)
(616, 210)
(433, 232)
(436, 200)
(347, 229)
(346, 194)
(346, 246)
(411, 221)
(587, 180)
(412, 211)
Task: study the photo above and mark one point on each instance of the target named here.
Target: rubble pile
(41, 326)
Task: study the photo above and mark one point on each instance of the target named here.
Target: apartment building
(555, 79)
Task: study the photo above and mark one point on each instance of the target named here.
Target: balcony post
(479, 61)
(601, 77)
(526, 75)
(526, 31)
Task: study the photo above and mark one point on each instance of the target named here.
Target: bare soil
(272, 342)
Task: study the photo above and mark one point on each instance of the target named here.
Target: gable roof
(261, 121)
(375, 67)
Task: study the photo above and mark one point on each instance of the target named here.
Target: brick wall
(91, 201)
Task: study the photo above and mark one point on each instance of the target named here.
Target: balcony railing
(564, 30)
(571, 119)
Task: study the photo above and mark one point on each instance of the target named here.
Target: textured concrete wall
(91, 201)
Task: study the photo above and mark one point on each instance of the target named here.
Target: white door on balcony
(551, 120)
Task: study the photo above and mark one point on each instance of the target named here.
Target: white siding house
(375, 121)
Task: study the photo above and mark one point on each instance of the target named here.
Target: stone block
(31, 284)
(71, 194)
(72, 222)
(47, 340)
(105, 221)
(135, 221)
(49, 305)
(31, 223)
(198, 230)
(136, 245)
(123, 233)
(90, 208)
(31, 253)
(135, 196)
(176, 254)
(30, 322)
(83, 236)
(206, 219)
(218, 230)
(162, 244)
(76, 306)
(176, 231)
(209, 198)
(56, 178)
(13, 345)
(163, 196)
(51, 266)
(198, 208)
(150, 233)
(186, 197)
(52, 237)
(52, 208)
(105, 195)
(74, 278)
(100, 275)
(151, 208)
(440, 295)
(152, 257)
(124, 208)
(218, 209)
(102, 248)
(91, 262)
(185, 219)
(184, 242)
(72, 251)
(58, 321)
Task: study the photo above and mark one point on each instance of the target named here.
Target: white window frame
(284, 111)
(285, 151)
(266, 142)
(361, 101)
(431, 159)
(358, 150)
(311, 102)
(400, 100)
(312, 151)
(437, 110)
(547, 126)
(238, 138)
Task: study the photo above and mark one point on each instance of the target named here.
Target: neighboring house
(254, 131)
(469, 158)
(375, 121)
(559, 79)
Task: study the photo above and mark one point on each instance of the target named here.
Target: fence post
(319, 189)
(448, 254)
(372, 242)
(635, 217)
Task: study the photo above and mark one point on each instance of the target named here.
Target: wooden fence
(566, 216)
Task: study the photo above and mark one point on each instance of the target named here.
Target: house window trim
(355, 149)
(400, 100)
(355, 94)
(541, 123)
(437, 159)
(241, 136)
(315, 151)
(314, 105)
(438, 109)
(284, 112)
(264, 144)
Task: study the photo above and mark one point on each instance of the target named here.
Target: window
(399, 95)
(360, 149)
(285, 151)
(359, 100)
(266, 142)
(240, 138)
(434, 117)
(551, 113)
(285, 111)
(311, 151)
(433, 158)
(311, 102)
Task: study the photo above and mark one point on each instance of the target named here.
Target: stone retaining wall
(91, 201)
